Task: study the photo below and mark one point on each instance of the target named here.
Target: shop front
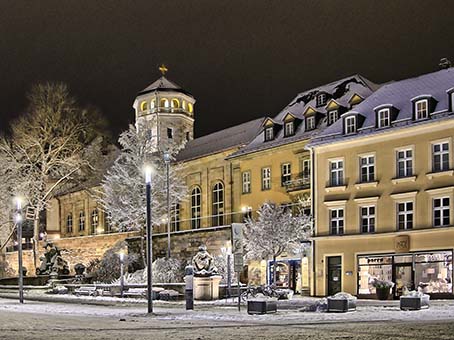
(429, 271)
(289, 274)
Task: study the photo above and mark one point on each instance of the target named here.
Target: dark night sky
(240, 59)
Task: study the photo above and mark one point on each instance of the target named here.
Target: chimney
(444, 63)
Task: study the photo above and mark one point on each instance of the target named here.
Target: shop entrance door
(403, 277)
(334, 274)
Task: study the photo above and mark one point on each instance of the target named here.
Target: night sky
(240, 59)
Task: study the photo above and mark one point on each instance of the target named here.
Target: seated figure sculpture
(203, 263)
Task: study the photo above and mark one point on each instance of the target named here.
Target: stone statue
(52, 263)
(203, 263)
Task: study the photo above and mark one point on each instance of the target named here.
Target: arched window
(218, 204)
(81, 221)
(69, 223)
(153, 103)
(196, 207)
(164, 102)
(190, 107)
(175, 103)
(183, 105)
(143, 106)
(175, 217)
(94, 221)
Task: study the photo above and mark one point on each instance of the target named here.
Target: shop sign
(402, 244)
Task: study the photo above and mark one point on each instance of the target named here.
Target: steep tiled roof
(341, 91)
(399, 95)
(237, 135)
(163, 84)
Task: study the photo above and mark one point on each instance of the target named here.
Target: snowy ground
(44, 320)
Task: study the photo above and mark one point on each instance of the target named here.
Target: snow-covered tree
(276, 230)
(47, 147)
(123, 189)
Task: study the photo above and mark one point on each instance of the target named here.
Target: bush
(382, 284)
(167, 270)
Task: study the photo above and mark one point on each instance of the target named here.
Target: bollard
(189, 289)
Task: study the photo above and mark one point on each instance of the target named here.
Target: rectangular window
(350, 125)
(321, 99)
(286, 174)
(337, 221)
(367, 169)
(441, 212)
(336, 173)
(306, 173)
(440, 157)
(175, 217)
(422, 109)
(169, 133)
(405, 215)
(404, 163)
(384, 118)
(269, 134)
(333, 116)
(310, 123)
(246, 182)
(266, 178)
(367, 219)
(289, 129)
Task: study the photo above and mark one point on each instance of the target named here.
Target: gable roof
(398, 94)
(219, 141)
(341, 90)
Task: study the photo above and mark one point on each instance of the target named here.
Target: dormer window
(289, 129)
(384, 118)
(350, 125)
(321, 99)
(269, 134)
(422, 109)
(452, 101)
(310, 123)
(333, 116)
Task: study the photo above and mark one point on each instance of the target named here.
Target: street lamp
(19, 247)
(148, 172)
(167, 162)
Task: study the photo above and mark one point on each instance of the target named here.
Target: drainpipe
(313, 206)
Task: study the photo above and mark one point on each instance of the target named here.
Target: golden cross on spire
(163, 69)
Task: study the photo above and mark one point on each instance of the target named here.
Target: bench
(89, 291)
(135, 292)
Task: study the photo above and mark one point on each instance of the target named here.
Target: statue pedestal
(206, 288)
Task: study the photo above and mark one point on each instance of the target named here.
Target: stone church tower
(166, 112)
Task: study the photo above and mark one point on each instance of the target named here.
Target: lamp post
(19, 248)
(122, 279)
(148, 171)
(167, 162)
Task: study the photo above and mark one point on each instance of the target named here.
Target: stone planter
(382, 293)
(414, 302)
(261, 306)
(341, 305)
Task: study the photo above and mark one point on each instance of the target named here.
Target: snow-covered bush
(220, 262)
(382, 284)
(167, 270)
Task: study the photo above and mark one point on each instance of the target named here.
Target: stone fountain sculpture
(52, 263)
(206, 278)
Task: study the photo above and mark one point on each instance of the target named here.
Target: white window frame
(407, 170)
(286, 173)
(350, 125)
(306, 169)
(422, 109)
(269, 134)
(246, 181)
(370, 217)
(310, 123)
(218, 204)
(289, 129)
(81, 220)
(94, 219)
(441, 209)
(384, 118)
(444, 165)
(336, 172)
(406, 213)
(367, 165)
(196, 207)
(175, 217)
(321, 99)
(337, 220)
(69, 223)
(333, 116)
(266, 178)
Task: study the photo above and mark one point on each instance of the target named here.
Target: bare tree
(49, 145)
(276, 230)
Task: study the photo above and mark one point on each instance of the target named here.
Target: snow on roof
(163, 84)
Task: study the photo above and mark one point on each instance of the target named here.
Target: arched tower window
(153, 103)
(143, 106)
(218, 204)
(175, 103)
(69, 223)
(164, 103)
(196, 207)
(190, 108)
